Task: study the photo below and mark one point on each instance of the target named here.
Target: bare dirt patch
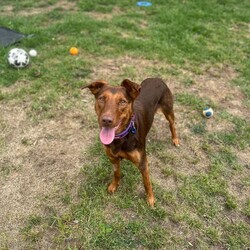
(41, 157)
(104, 16)
(8, 10)
(114, 70)
(240, 185)
(215, 84)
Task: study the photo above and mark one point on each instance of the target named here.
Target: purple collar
(131, 128)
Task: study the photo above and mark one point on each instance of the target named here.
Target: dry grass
(9, 10)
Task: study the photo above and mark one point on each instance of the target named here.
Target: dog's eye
(123, 102)
(101, 98)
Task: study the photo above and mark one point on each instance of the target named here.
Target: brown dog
(125, 115)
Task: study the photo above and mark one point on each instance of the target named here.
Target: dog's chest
(133, 156)
(121, 148)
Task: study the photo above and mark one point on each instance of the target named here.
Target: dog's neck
(130, 129)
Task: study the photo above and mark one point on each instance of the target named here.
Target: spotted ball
(208, 112)
(18, 58)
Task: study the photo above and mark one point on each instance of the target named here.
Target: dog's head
(114, 106)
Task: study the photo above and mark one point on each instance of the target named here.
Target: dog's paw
(176, 142)
(151, 201)
(112, 187)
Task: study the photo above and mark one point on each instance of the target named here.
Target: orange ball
(73, 51)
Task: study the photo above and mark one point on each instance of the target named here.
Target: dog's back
(154, 95)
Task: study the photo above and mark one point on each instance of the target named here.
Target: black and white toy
(18, 58)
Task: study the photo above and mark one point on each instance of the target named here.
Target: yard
(53, 171)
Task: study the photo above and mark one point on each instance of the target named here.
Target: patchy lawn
(53, 172)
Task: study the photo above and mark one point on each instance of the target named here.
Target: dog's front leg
(117, 170)
(143, 167)
(117, 175)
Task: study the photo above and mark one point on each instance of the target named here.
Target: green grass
(201, 188)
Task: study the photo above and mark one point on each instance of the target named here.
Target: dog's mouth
(107, 135)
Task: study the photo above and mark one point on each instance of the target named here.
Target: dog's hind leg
(165, 104)
(171, 118)
(168, 112)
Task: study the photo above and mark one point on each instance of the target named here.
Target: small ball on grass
(208, 112)
(74, 51)
(33, 52)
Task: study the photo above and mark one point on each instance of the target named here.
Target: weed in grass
(30, 232)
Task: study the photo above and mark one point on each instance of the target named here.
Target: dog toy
(33, 53)
(73, 51)
(208, 112)
(18, 58)
(144, 4)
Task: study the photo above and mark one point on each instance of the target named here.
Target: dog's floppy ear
(96, 86)
(132, 88)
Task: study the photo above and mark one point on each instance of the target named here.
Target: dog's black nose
(107, 121)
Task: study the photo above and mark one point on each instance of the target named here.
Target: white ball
(18, 58)
(208, 112)
(33, 52)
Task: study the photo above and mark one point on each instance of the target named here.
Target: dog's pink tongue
(107, 135)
